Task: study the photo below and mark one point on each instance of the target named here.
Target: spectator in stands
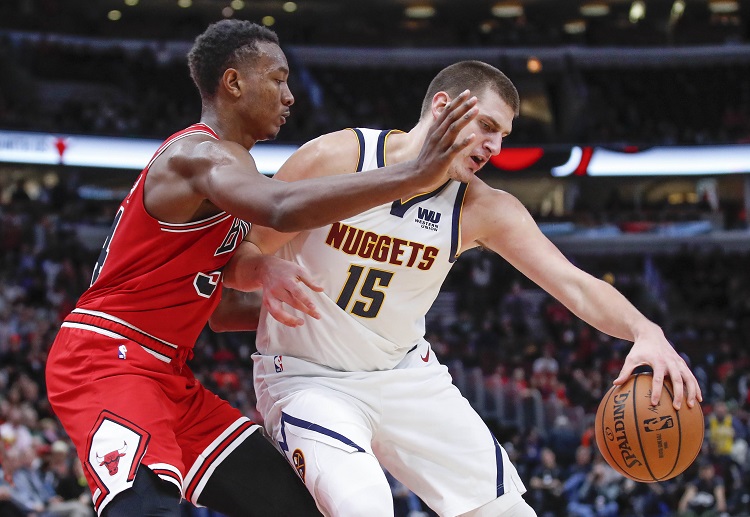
(546, 485)
(704, 496)
(723, 429)
(64, 475)
(597, 496)
(576, 474)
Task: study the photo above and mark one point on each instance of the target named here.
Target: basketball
(643, 442)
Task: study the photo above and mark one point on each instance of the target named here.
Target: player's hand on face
(286, 283)
(654, 350)
(442, 145)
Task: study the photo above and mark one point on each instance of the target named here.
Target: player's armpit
(237, 311)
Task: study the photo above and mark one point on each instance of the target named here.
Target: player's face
(493, 123)
(268, 97)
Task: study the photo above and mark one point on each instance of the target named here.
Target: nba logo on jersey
(122, 352)
(277, 364)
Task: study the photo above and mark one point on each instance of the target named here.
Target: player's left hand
(285, 282)
(654, 350)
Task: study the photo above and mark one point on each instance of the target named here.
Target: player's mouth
(284, 116)
(478, 161)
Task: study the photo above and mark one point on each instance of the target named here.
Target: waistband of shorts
(108, 325)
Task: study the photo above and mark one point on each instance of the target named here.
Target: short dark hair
(223, 45)
(475, 76)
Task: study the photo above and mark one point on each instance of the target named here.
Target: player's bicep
(328, 155)
(508, 229)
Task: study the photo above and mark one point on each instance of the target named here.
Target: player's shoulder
(482, 196)
(198, 152)
(327, 155)
(332, 144)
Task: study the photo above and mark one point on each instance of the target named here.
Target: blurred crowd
(127, 90)
(497, 333)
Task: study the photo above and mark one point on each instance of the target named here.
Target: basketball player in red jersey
(147, 433)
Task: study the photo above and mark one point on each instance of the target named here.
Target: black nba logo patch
(657, 424)
(298, 459)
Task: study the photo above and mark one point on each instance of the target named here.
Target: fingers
(624, 374)
(293, 294)
(296, 297)
(456, 117)
(657, 383)
(308, 280)
(275, 309)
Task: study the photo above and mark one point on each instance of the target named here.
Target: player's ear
(439, 101)
(230, 81)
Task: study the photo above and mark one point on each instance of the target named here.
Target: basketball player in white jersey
(360, 387)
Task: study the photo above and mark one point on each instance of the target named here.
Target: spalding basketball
(644, 442)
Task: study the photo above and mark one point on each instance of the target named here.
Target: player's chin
(462, 174)
(272, 134)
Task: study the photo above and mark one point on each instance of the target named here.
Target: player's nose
(493, 144)
(287, 99)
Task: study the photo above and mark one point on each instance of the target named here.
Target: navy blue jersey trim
(500, 468)
(361, 139)
(456, 222)
(399, 209)
(304, 424)
(381, 147)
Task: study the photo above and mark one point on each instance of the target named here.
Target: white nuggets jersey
(381, 271)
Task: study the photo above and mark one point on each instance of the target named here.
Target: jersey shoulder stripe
(458, 207)
(195, 129)
(361, 141)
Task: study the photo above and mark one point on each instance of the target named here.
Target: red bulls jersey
(157, 283)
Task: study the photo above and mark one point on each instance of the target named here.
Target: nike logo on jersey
(427, 219)
(426, 357)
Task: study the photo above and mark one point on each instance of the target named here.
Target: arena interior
(632, 152)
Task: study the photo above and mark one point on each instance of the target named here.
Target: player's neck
(228, 128)
(402, 147)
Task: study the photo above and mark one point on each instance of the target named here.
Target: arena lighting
(184, 3)
(507, 10)
(723, 6)
(637, 11)
(114, 15)
(268, 20)
(227, 12)
(657, 161)
(594, 9)
(534, 65)
(419, 11)
(108, 152)
(131, 3)
(678, 8)
(289, 7)
(237, 5)
(575, 27)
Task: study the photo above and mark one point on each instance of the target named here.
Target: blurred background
(632, 151)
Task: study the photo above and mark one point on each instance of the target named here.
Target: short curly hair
(223, 45)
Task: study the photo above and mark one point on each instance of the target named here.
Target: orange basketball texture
(644, 442)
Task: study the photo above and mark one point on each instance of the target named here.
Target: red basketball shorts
(123, 406)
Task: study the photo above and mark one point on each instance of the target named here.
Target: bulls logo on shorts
(298, 458)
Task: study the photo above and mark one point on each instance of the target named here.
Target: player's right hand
(442, 145)
(286, 283)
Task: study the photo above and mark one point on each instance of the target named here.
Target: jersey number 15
(373, 279)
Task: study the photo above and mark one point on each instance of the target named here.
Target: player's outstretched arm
(498, 221)
(221, 172)
(283, 282)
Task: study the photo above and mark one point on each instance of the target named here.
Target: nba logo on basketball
(278, 364)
